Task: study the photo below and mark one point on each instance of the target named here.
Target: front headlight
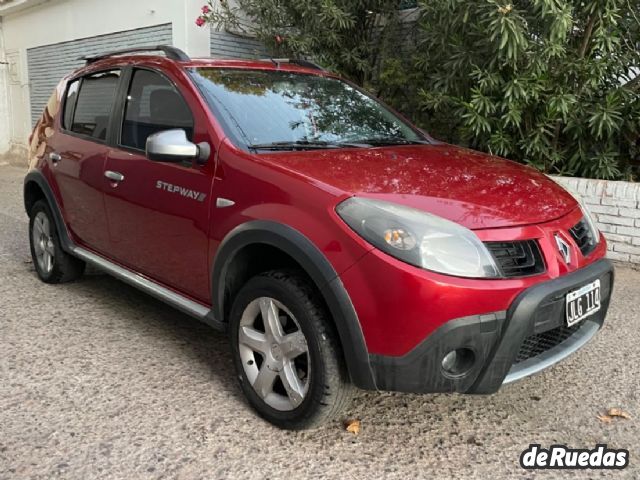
(595, 233)
(419, 238)
(591, 223)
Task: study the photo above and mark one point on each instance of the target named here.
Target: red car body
(147, 228)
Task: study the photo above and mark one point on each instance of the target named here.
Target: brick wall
(616, 208)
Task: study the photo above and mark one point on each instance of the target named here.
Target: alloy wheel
(43, 242)
(274, 354)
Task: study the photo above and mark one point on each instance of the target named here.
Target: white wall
(4, 98)
(616, 208)
(63, 20)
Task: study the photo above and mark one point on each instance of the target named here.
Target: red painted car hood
(468, 187)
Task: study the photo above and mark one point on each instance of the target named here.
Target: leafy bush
(546, 82)
(346, 36)
(538, 81)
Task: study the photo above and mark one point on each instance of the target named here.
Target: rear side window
(153, 105)
(95, 103)
(69, 104)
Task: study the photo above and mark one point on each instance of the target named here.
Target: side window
(69, 102)
(95, 103)
(153, 104)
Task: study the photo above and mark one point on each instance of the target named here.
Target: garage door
(49, 63)
(228, 45)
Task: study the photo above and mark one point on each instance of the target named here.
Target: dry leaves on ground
(613, 413)
(618, 412)
(352, 426)
(604, 418)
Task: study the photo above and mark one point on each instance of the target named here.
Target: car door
(158, 213)
(78, 153)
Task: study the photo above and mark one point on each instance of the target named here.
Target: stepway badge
(182, 191)
(561, 457)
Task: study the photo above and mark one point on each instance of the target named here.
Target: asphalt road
(98, 380)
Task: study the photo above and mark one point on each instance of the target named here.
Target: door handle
(54, 157)
(114, 176)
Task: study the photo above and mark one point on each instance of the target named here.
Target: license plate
(583, 302)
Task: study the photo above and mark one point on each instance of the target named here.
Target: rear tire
(290, 366)
(52, 263)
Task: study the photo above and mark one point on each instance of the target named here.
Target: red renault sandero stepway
(337, 244)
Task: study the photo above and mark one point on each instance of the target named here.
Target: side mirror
(173, 146)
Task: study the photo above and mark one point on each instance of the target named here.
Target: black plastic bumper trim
(495, 339)
(554, 355)
(521, 313)
(420, 370)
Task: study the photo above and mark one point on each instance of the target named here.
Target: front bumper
(506, 345)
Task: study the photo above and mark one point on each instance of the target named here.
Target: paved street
(98, 380)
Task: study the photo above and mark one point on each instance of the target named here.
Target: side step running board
(154, 289)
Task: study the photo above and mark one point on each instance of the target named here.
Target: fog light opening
(458, 362)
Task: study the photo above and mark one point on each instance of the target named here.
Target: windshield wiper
(378, 141)
(306, 145)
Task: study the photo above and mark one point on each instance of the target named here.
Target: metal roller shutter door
(49, 63)
(228, 45)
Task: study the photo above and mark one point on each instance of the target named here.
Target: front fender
(319, 269)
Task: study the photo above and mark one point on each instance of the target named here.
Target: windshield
(264, 109)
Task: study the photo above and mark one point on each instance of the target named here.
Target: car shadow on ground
(206, 347)
(448, 427)
(209, 353)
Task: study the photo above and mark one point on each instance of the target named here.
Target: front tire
(52, 263)
(286, 352)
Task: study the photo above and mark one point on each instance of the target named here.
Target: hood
(468, 187)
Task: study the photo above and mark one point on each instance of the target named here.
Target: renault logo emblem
(563, 248)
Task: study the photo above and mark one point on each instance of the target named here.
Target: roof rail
(295, 61)
(171, 52)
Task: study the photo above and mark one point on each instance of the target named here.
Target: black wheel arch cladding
(317, 267)
(36, 179)
(274, 234)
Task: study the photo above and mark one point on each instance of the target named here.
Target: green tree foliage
(347, 36)
(545, 82)
(539, 81)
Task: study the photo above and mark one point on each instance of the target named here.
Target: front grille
(583, 237)
(539, 343)
(517, 259)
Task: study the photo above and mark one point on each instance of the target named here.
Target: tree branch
(633, 84)
(587, 37)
